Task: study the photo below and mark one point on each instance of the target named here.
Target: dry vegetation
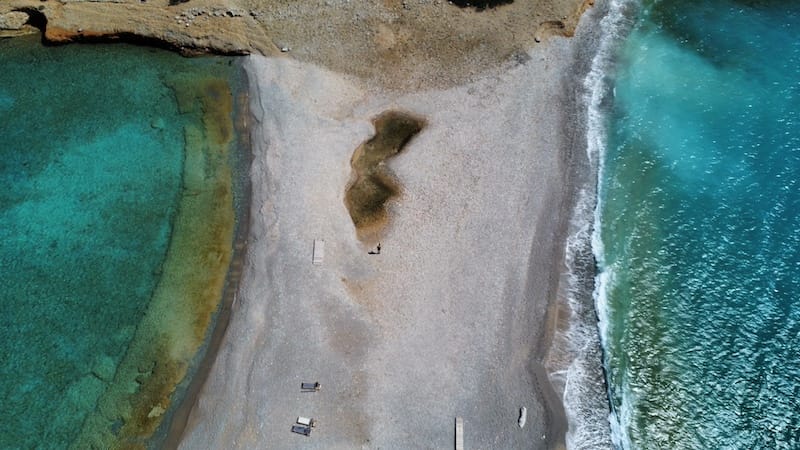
(373, 184)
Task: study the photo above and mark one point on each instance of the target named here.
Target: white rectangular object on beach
(319, 251)
(459, 433)
(305, 421)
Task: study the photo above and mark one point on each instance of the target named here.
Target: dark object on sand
(375, 252)
(301, 429)
(309, 386)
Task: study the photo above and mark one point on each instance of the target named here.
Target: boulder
(13, 20)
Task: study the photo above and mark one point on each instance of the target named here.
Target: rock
(104, 368)
(156, 412)
(13, 20)
(146, 367)
(25, 30)
(82, 394)
(158, 123)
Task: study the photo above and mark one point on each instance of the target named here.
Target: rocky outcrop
(400, 44)
(13, 20)
(218, 29)
(15, 23)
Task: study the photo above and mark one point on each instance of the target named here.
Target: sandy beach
(463, 311)
(453, 317)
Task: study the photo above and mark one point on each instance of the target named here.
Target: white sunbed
(319, 252)
(306, 421)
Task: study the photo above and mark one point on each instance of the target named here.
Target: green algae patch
(372, 183)
(192, 280)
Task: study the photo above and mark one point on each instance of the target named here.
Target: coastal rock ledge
(189, 30)
(404, 44)
(13, 20)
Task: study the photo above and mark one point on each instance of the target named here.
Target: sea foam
(598, 89)
(585, 394)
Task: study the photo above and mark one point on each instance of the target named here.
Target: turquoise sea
(92, 151)
(696, 126)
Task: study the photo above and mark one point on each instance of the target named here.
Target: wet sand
(453, 318)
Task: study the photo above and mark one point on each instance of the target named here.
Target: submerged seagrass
(191, 284)
(118, 223)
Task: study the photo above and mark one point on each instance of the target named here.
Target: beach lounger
(309, 386)
(300, 429)
(319, 252)
(306, 421)
(459, 433)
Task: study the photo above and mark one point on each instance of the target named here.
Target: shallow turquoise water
(699, 233)
(90, 164)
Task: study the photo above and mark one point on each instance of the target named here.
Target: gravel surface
(449, 320)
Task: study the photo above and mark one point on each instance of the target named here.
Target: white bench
(306, 421)
(459, 433)
(319, 252)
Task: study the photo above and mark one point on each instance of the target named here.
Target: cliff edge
(396, 43)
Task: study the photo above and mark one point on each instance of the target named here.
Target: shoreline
(243, 400)
(174, 427)
(575, 358)
(176, 320)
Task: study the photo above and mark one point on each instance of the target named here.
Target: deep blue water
(91, 162)
(698, 232)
